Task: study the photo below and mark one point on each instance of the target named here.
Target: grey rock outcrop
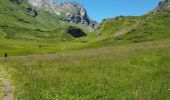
(163, 5)
(71, 12)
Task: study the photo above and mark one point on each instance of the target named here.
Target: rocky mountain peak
(70, 11)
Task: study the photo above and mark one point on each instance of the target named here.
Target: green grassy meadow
(134, 72)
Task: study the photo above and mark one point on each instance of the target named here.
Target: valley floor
(138, 71)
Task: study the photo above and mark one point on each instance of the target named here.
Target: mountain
(44, 27)
(24, 27)
(20, 20)
(152, 26)
(68, 11)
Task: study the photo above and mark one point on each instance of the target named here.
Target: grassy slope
(146, 28)
(111, 26)
(21, 33)
(14, 15)
(20, 38)
(134, 71)
(125, 30)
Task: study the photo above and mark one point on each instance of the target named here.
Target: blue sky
(101, 9)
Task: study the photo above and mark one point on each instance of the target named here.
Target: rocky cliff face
(163, 5)
(70, 11)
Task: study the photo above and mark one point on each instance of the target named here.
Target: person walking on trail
(6, 55)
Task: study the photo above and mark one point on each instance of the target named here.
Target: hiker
(6, 55)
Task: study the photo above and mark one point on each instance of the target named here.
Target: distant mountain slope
(68, 11)
(20, 14)
(19, 20)
(152, 24)
(25, 29)
(134, 29)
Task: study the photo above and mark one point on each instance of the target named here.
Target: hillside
(47, 33)
(24, 28)
(29, 30)
(134, 29)
(22, 16)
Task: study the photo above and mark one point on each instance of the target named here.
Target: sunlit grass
(134, 71)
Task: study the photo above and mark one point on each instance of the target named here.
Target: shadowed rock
(75, 32)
